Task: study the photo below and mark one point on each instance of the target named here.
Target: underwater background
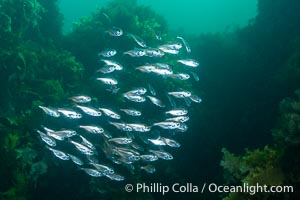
(245, 130)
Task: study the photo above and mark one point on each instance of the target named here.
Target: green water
(189, 16)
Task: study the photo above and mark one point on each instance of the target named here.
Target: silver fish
(195, 99)
(138, 99)
(87, 143)
(149, 168)
(48, 140)
(146, 68)
(187, 46)
(59, 154)
(132, 112)
(121, 126)
(139, 127)
(115, 177)
(61, 135)
(177, 112)
(138, 40)
(81, 99)
(180, 76)
(121, 140)
(50, 111)
(107, 69)
(171, 142)
(156, 101)
(92, 172)
(93, 129)
(89, 111)
(116, 65)
(102, 168)
(180, 94)
(158, 141)
(168, 125)
(162, 154)
(83, 149)
(149, 157)
(189, 62)
(108, 53)
(75, 159)
(115, 32)
(154, 52)
(108, 81)
(179, 119)
(110, 113)
(136, 92)
(136, 52)
(70, 114)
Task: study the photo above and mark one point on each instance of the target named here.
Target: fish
(180, 76)
(138, 40)
(157, 142)
(120, 140)
(92, 172)
(195, 98)
(149, 168)
(110, 113)
(89, 111)
(148, 157)
(115, 177)
(154, 52)
(115, 32)
(152, 90)
(75, 159)
(167, 125)
(87, 143)
(189, 62)
(81, 99)
(177, 112)
(181, 119)
(195, 76)
(107, 69)
(170, 142)
(137, 92)
(47, 139)
(50, 111)
(107, 53)
(102, 168)
(70, 114)
(132, 112)
(187, 46)
(135, 98)
(59, 154)
(136, 52)
(162, 154)
(62, 135)
(108, 81)
(139, 127)
(121, 126)
(113, 63)
(113, 89)
(83, 149)
(92, 129)
(156, 101)
(180, 94)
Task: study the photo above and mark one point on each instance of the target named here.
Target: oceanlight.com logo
(212, 187)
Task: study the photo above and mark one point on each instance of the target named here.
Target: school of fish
(141, 107)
